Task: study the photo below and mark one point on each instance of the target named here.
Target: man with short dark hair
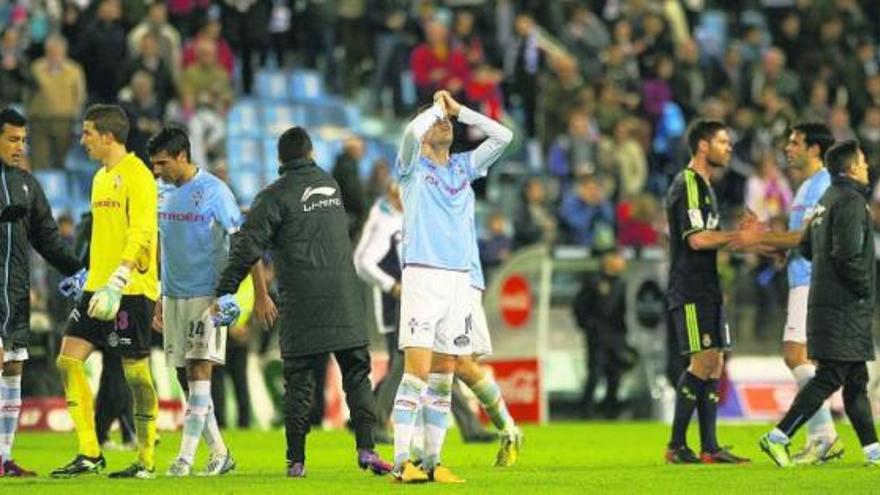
(195, 209)
(694, 292)
(25, 221)
(120, 292)
(807, 144)
(300, 218)
(838, 241)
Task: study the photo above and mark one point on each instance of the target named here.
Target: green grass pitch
(556, 459)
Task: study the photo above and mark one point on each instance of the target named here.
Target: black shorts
(129, 335)
(700, 326)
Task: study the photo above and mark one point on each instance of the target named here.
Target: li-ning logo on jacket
(327, 192)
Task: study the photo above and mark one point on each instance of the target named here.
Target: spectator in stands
(777, 114)
(638, 221)
(586, 213)
(773, 73)
(483, 91)
(147, 59)
(586, 37)
(839, 122)
(144, 112)
(390, 20)
(207, 134)
(346, 172)
(791, 38)
(156, 23)
(856, 73)
(534, 222)
(768, 194)
(496, 245)
(610, 106)
(210, 32)
(54, 106)
(186, 15)
(523, 63)
(655, 38)
(246, 26)
(15, 76)
(280, 34)
(101, 51)
(869, 135)
(623, 157)
(205, 81)
(818, 108)
(729, 75)
(436, 64)
(656, 88)
(355, 38)
(318, 39)
(621, 65)
(466, 39)
(575, 152)
(689, 82)
(559, 94)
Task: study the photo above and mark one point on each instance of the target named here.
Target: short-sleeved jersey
(802, 209)
(196, 221)
(124, 227)
(691, 207)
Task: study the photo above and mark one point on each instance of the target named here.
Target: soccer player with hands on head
(195, 209)
(436, 322)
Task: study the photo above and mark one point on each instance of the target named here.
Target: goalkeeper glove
(227, 311)
(72, 286)
(105, 302)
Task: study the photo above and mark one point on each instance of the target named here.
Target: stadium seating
(244, 119)
(56, 186)
(245, 184)
(244, 153)
(305, 85)
(277, 117)
(272, 85)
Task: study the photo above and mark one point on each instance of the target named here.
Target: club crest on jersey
(25, 188)
(197, 197)
(117, 181)
(113, 339)
(707, 340)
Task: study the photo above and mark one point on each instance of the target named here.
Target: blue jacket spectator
(585, 212)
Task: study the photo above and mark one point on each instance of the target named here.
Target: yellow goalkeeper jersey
(124, 226)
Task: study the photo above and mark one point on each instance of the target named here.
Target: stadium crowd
(598, 90)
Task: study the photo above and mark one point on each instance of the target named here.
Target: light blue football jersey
(195, 223)
(438, 213)
(438, 202)
(803, 207)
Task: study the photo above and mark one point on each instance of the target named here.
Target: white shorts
(796, 323)
(482, 343)
(189, 332)
(14, 354)
(435, 310)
